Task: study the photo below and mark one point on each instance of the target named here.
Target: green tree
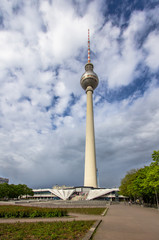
(144, 182)
(152, 177)
(14, 191)
(127, 183)
(26, 190)
(155, 157)
(23, 189)
(4, 190)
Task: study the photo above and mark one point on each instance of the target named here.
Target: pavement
(72, 217)
(124, 222)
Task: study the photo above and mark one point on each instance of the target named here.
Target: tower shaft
(90, 175)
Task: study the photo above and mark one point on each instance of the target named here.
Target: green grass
(11, 211)
(45, 231)
(94, 211)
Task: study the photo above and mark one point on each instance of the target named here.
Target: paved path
(129, 223)
(72, 217)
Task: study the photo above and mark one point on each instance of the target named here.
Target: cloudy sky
(43, 50)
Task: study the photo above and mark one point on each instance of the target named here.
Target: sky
(43, 51)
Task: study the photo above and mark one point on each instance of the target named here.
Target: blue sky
(43, 50)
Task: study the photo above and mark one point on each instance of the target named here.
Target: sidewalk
(72, 217)
(129, 223)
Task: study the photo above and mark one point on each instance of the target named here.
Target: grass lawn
(94, 211)
(11, 211)
(45, 231)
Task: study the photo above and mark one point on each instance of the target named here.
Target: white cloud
(127, 136)
(151, 47)
(119, 59)
(118, 52)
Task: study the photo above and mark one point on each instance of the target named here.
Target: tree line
(143, 184)
(11, 191)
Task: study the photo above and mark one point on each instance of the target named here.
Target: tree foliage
(10, 191)
(142, 183)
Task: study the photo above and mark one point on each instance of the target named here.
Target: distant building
(4, 180)
(78, 193)
(61, 187)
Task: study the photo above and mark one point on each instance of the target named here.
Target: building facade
(78, 193)
(4, 180)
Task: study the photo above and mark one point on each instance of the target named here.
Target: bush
(30, 212)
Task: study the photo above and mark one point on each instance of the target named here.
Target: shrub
(31, 212)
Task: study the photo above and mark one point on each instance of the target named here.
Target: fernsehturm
(89, 81)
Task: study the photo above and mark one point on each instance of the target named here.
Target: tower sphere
(89, 78)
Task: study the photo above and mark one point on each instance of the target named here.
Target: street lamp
(156, 198)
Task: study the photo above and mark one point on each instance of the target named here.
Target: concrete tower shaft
(90, 174)
(89, 81)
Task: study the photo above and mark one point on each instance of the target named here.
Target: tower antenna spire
(89, 59)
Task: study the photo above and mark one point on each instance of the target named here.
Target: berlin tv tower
(89, 81)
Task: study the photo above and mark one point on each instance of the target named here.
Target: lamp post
(156, 198)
